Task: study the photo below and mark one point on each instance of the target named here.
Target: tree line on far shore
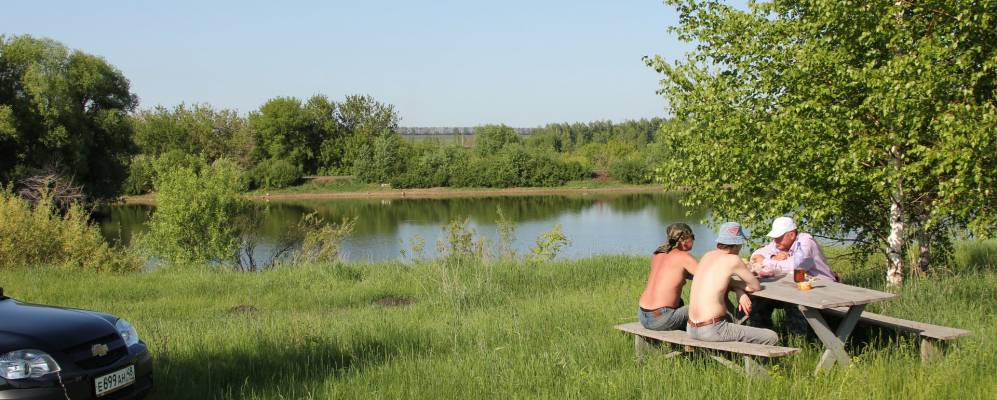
(70, 113)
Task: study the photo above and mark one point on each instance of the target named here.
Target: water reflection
(595, 223)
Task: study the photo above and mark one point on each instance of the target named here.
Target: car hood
(48, 328)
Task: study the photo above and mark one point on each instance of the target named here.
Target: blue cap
(731, 233)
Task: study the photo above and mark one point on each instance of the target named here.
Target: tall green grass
(461, 329)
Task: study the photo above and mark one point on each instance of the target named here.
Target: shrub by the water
(431, 169)
(471, 172)
(382, 160)
(516, 166)
(40, 235)
(630, 171)
(275, 174)
(193, 218)
(322, 240)
(513, 165)
(549, 244)
(141, 173)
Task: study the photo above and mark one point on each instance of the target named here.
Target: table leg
(834, 342)
(844, 331)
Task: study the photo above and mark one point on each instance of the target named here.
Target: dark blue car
(61, 353)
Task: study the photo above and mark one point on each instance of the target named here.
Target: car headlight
(28, 363)
(127, 332)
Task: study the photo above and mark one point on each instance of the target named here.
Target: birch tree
(873, 122)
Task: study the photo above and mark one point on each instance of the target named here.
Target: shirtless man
(707, 300)
(660, 307)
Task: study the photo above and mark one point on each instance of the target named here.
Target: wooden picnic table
(824, 295)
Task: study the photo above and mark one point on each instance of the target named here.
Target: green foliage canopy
(283, 130)
(361, 119)
(320, 136)
(489, 139)
(198, 130)
(275, 174)
(564, 137)
(63, 110)
(382, 160)
(839, 112)
(193, 218)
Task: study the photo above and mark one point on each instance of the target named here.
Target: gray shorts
(669, 319)
(724, 331)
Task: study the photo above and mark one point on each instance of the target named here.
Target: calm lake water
(595, 223)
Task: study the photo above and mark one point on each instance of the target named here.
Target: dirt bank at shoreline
(430, 193)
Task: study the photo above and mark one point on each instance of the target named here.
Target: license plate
(115, 380)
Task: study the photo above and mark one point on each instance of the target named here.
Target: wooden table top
(825, 294)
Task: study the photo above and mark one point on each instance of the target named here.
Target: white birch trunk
(894, 251)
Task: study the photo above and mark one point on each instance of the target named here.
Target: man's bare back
(708, 297)
(666, 279)
(660, 307)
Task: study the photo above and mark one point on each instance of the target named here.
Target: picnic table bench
(828, 297)
(933, 337)
(644, 339)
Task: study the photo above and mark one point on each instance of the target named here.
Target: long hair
(676, 232)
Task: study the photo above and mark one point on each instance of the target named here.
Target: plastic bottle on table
(799, 273)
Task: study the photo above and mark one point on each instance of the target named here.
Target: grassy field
(466, 330)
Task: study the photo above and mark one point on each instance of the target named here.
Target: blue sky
(441, 63)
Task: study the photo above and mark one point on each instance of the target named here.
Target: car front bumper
(80, 385)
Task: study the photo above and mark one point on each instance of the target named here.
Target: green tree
(361, 119)
(872, 121)
(320, 136)
(384, 160)
(63, 109)
(327, 137)
(194, 213)
(362, 115)
(197, 129)
(282, 128)
(489, 139)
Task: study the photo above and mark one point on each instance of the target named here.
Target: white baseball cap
(780, 226)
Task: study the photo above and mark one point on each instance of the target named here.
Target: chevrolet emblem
(99, 350)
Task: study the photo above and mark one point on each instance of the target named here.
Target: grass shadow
(266, 368)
